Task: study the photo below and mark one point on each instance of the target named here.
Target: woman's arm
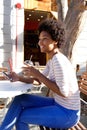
(29, 80)
(50, 84)
(31, 71)
(15, 77)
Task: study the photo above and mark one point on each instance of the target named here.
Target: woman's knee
(19, 98)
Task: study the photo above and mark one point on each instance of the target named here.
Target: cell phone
(7, 76)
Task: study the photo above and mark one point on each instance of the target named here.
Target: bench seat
(79, 126)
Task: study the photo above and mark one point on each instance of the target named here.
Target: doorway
(31, 48)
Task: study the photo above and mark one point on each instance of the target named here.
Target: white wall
(11, 25)
(80, 50)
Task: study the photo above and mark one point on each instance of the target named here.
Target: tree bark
(74, 21)
(62, 9)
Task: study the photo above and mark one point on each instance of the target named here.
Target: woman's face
(47, 45)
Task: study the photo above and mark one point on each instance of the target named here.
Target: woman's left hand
(30, 71)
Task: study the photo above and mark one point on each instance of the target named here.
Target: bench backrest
(83, 83)
(1, 75)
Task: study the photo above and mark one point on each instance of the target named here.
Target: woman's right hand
(13, 76)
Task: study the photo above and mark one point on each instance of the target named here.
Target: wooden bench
(79, 126)
(83, 90)
(1, 75)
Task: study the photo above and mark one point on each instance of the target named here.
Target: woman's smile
(46, 43)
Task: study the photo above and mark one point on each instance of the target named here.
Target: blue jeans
(31, 109)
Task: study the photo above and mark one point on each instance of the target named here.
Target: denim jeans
(32, 109)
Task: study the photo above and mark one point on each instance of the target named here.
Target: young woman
(63, 109)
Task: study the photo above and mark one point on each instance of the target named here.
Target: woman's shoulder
(60, 57)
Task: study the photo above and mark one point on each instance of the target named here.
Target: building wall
(11, 32)
(80, 49)
(34, 4)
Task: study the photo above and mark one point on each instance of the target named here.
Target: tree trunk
(62, 9)
(74, 22)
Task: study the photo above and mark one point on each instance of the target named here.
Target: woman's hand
(14, 77)
(30, 71)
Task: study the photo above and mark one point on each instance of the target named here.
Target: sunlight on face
(45, 42)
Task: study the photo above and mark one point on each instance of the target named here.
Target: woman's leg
(53, 116)
(19, 104)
